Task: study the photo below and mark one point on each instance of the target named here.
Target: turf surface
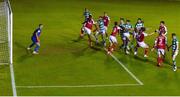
(64, 60)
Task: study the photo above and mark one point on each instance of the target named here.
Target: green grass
(63, 61)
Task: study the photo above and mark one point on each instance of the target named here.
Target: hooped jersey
(101, 24)
(139, 25)
(86, 14)
(175, 44)
(128, 27)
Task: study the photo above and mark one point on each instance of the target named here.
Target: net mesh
(4, 45)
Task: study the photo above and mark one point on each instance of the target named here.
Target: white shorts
(87, 30)
(101, 32)
(161, 52)
(112, 39)
(175, 54)
(126, 34)
(142, 44)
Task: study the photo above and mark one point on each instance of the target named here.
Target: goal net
(5, 33)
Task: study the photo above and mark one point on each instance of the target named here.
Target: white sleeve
(165, 30)
(108, 18)
(145, 34)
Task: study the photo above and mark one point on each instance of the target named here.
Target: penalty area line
(80, 86)
(130, 73)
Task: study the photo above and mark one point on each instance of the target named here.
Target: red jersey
(116, 30)
(89, 23)
(162, 29)
(106, 20)
(140, 37)
(160, 42)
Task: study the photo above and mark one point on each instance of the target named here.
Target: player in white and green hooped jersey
(175, 50)
(86, 14)
(126, 34)
(100, 30)
(139, 24)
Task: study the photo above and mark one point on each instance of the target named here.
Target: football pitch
(68, 66)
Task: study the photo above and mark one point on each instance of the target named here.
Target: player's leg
(106, 32)
(103, 35)
(113, 43)
(88, 32)
(160, 57)
(82, 32)
(33, 43)
(136, 49)
(127, 45)
(146, 48)
(89, 40)
(175, 53)
(96, 36)
(36, 49)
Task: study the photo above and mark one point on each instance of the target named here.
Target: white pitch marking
(140, 83)
(79, 86)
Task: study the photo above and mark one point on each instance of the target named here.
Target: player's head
(128, 21)
(85, 9)
(90, 16)
(105, 14)
(162, 23)
(121, 20)
(40, 26)
(100, 17)
(115, 23)
(173, 35)
(139, 20)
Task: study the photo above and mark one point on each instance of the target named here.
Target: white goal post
(6, 39)
(6, 29)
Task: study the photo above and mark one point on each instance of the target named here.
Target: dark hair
(40, 25)
(139, 19)
(173, 34)
(115, 23)
(143, 29)
(128, 21)
(122, 19)
(162, 22)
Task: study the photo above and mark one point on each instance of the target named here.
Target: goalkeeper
(35, 39)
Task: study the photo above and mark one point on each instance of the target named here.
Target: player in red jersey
(140, 41)
(162, 28)
(112, 38)
(87, 28)
(160, 45)
(106, 20)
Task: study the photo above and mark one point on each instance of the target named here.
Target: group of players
(125, 30)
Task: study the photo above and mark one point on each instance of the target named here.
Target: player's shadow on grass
(25, 56)
(79, 52)
(144, 60)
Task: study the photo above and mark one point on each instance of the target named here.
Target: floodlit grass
(65, 61)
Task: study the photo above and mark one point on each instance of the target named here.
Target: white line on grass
(13, 80)
(79, 86)
(91, 86)
(140, 83)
